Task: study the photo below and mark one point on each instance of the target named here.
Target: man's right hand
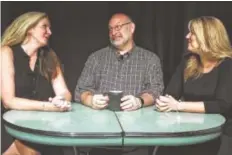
(99, 101)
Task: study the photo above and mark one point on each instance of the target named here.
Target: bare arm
(10, 101)
(169, 103)
(148, 99)
(196, 107)
(60, 87)
(86, 98)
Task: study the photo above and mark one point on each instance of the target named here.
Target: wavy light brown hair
(213, 43)
(17, 32)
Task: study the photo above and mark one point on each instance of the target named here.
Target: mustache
(116, 36)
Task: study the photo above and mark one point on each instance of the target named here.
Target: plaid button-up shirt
(135, 73)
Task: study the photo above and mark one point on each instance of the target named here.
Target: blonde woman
(31, 77)
(203, 83)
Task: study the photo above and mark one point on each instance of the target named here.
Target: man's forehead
(117, 19)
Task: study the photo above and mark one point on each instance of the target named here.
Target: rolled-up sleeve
(154, 79)
(223, 100)
(86, 81)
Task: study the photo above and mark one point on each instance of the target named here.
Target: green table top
(148, 126)
(84, 126)
(80, 125)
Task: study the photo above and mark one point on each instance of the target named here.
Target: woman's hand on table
(167, 103)
(60, 104)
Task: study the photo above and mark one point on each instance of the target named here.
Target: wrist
(179, 105)
(45, 106)
(90, 100)
(141, 101)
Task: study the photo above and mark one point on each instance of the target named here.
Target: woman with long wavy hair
(31, 76)
(202, 82)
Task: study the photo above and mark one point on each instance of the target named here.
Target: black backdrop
(80, 28)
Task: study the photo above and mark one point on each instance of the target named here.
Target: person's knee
(12, 150)
(25, 149)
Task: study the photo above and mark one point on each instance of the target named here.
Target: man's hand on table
(130, 103)
(99, 101)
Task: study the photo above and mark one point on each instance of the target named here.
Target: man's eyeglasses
(118, 27)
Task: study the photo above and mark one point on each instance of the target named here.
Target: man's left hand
(130, 103)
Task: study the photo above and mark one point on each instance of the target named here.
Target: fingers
(129, 103)
(60, 103)
(126, 102)
(164, 98)
(58, 97)
(161, 103)
(65, 107)
(127, 97)
(54, 99)
(162, 109)
(62, 108)
(166, 103)
(126, 105)
(99, 101)
(100, 104)
(50, 99)
(161, 106)
(171, 98)
(99, 107)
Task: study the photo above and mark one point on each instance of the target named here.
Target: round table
(83, 126)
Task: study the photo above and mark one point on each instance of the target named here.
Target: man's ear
(132, 27)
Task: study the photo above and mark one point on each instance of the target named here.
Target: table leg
(155, 150)
(76, 152)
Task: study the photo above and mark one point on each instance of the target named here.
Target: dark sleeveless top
(29, 84)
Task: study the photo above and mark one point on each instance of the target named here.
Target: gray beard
(118, 45)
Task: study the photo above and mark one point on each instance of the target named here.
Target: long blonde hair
(213, 43)
(16, 33)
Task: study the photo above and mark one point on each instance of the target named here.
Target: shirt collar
(125, 55)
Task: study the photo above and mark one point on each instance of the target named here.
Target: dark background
(80, 28)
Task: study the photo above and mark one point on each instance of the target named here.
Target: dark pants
(226, 145)
(210, 148)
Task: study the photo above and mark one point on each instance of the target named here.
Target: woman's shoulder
(227, 62)
(6, 51)
(11, 49)
(226, 65)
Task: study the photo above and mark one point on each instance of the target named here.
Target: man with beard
(120, 66)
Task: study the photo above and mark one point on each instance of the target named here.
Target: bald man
(122, 66)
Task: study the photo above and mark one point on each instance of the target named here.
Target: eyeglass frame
(118, 27)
